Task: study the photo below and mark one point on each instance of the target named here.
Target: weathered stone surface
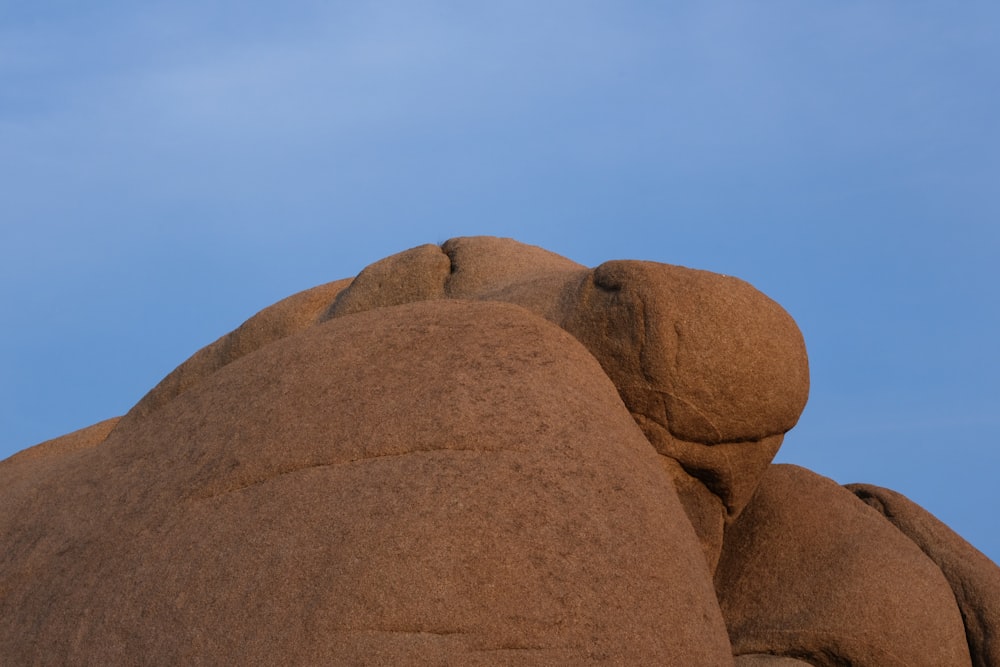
(704, 509)
(809, 571)
(722, 362)
(713, 371)
(766, 660)
(973, 577)
(485, 267)
(449, 482)
(85, 438)
(479, 453)
(417, 274)
(652, 326)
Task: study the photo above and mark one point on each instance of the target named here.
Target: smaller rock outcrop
(809, 571)
(972, 576)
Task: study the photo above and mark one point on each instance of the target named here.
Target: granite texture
(479, 453)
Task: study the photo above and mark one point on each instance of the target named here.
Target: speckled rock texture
(479, 453)
(810, 571)
(971, 575)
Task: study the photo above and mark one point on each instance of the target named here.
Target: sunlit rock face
(479, 453)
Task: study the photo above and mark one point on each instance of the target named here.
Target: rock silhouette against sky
(480, 453)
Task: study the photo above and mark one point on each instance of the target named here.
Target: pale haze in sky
(167, 169)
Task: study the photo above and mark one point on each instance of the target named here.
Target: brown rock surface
(809, 571)
(713, 371)
(974, 578)
(478, 453)
(767, 660)
(85, 438)
(445, 482)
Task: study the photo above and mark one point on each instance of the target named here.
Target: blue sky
(169, 168)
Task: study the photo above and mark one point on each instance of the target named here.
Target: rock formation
(475, 454)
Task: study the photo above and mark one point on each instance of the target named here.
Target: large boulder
(447, 482)
(479, 453)
(712, 370)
